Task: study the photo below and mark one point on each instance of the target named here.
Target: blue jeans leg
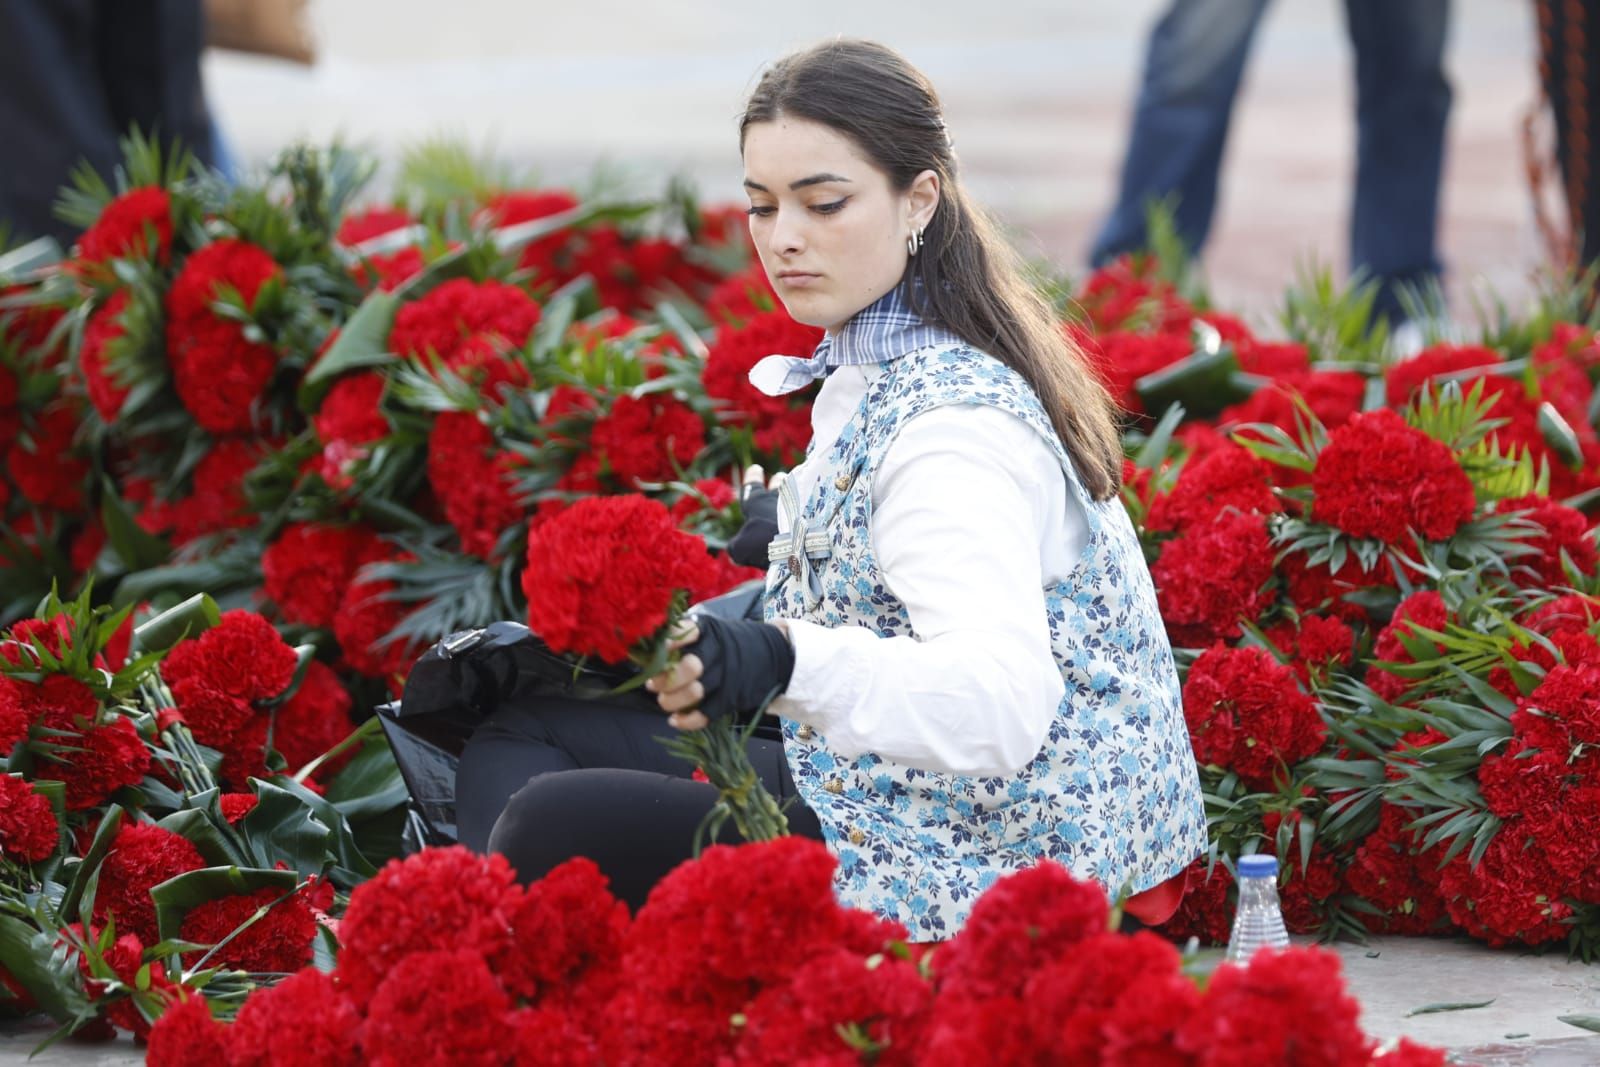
(1402, 104)
(1192, 70)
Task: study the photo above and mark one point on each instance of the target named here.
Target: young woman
(973, 671)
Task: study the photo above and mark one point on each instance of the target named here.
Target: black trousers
(552, 777)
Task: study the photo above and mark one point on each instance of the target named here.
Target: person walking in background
(76, 75)
(1193, 66)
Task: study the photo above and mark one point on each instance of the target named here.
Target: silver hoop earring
(914, 242)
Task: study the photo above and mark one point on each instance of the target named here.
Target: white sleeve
(962, 502)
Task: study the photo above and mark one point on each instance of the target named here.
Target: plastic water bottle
(1259, 921)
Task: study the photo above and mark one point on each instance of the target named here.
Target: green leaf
(134, 545)
(176, 896)
(1585, 1022)
(1557, 433)
(363, 342)
(46, 969)
(1155, 447)
(201, 830)
(1204, 383)
(283, 827)
(31, 257)
(89, 866)
(189, 619)
(1453, 1005)
(370, 784)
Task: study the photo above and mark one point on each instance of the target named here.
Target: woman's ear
(923, 198)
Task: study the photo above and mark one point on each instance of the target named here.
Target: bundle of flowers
(154, 839)
(1376, 573)
(744, 956)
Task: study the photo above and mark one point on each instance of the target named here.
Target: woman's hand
(730, 667)
(678, 689)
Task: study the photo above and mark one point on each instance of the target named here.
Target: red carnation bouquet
(611, 577)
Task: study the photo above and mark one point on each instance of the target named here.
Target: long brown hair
(972, 282)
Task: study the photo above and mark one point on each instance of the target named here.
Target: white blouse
(971, 520)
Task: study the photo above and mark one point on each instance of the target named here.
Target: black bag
(463, 678)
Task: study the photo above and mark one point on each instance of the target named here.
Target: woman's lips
(799, 280)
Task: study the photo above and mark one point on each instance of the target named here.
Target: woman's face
(830, 229)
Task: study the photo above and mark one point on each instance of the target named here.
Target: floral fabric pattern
(1113, 794)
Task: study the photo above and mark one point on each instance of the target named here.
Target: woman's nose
(787, 237)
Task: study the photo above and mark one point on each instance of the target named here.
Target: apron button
(842, 482)
(857, 837)
(834, 786)
(805, 733)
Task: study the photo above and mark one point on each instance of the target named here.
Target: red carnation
(1022, 922)
(103, 329)
(349, 419)
(567, 929)
(1224, 478)
(1380, 478)
(1072, 1000)
(1285, 1005)
(363, 226)
(1392, 871)
(647, 439)
(315, 719)
(1314, 649)
(97, 762)
(28, 831)
(781, 424)
(217, 501)
(546, 1036)
(142, 856)
(242, 656)
(1272, 359)
(1320, 588)
(16, 715)
(887, 1001)
(475, 482)
(1333, 396)
(1213, 576)
(187, 1034)
(219, 374)
(1566, 530)
(236, 806)
(1424, 608)
(438, 1007)
(1206, 911)
(1404, 379)
(59, 702)
(365, 626)
(1123, 358)
(1509, 895)
(307, 1012)
(463, 323)
(43, 462)
(276, 943)
(1247, 714)
(308, 568)
(389, 270)
(538, 255)
(435, 899)
(602, 575)
(743, 296)
(137, 224)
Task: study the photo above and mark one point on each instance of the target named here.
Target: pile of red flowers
(744, 957)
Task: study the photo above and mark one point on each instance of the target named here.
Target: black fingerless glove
(741, 664)
(748, 547)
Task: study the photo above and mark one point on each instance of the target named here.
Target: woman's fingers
(684, 632)
(688, 720)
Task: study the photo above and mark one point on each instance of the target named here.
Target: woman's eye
(829, 209)
(760, 211)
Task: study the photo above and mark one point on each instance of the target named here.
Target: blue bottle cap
(1258, 866)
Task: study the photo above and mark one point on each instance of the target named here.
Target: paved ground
(1037, 94)
(1391, 977)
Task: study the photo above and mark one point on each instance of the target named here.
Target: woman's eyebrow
(815, 179)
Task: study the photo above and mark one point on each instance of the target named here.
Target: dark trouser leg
(1402, 103)
(1191, 74)
(552, 778)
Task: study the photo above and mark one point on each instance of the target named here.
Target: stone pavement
(1037, 94)
(1390, 976)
